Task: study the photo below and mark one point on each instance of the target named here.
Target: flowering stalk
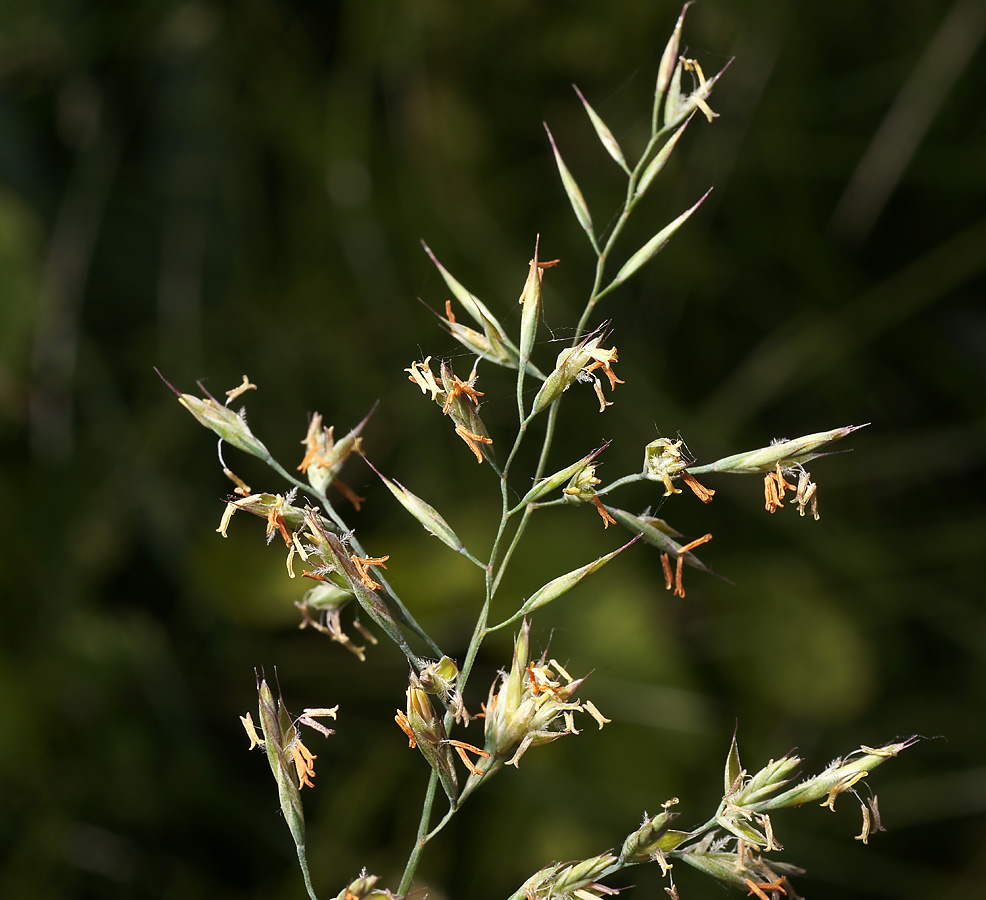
(534, 701)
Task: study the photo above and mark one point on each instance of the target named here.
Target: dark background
(219, 188)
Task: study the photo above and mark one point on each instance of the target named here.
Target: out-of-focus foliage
(225, 188)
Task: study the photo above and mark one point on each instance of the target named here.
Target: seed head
(663, 460)
(325, 456)
(534, 705)
(225, 422)
(426, 731)
(578, 363)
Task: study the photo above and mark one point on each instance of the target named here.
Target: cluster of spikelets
(524, 711)
(533, 701)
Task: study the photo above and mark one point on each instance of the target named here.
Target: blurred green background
(219, 188)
